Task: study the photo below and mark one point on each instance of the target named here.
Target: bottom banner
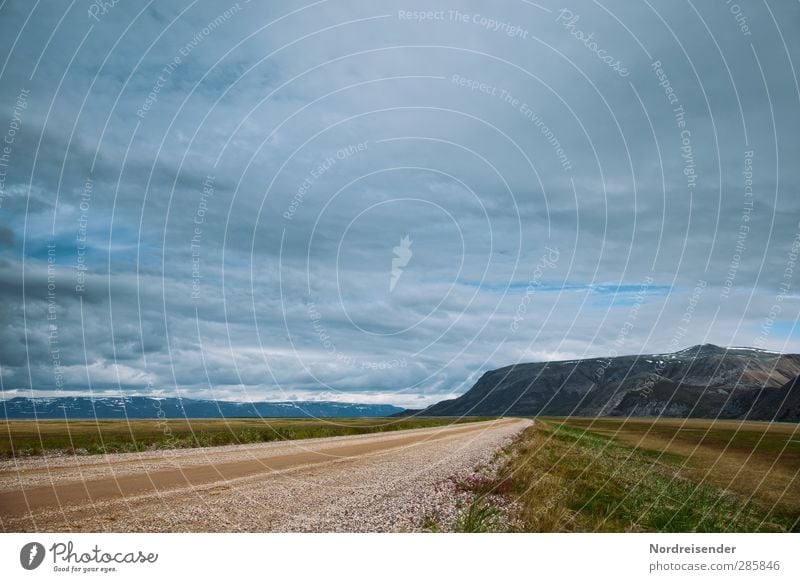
(356, 557)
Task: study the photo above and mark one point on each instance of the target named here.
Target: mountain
(701, 381)
(782, 404)
(73, 407)
(407, 412)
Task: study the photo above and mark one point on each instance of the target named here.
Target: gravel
(399, 490)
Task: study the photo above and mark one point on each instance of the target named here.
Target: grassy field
(26, 438)
(666, 475)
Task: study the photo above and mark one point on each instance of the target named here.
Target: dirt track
(380, 482)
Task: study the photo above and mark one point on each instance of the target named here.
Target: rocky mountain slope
(701, 381)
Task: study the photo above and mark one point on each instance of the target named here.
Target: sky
(378, 202)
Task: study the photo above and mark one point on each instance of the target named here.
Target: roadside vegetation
(617, 475)
(20, 438)
(481, 516)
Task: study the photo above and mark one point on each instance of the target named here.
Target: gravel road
(382, 482)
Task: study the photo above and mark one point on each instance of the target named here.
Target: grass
(616, 475)
(757, 460)
(29, 438)
(479, 517)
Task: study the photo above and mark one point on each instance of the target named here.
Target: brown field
(761, 459)
(645, 474)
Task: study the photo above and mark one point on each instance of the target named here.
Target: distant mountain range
(141, 407)
(702, 381)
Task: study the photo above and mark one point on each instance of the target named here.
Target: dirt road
(377, 482)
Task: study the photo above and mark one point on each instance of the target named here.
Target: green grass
(30, 438)
(565, 476)
(479, 517)
(757, 461)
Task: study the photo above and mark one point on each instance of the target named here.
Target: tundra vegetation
(650, 475)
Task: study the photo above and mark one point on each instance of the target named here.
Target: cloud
(207, 199)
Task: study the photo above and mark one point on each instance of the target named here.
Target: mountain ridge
(147, 407)
(700, 381)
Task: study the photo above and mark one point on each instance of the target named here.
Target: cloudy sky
(360, 201)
